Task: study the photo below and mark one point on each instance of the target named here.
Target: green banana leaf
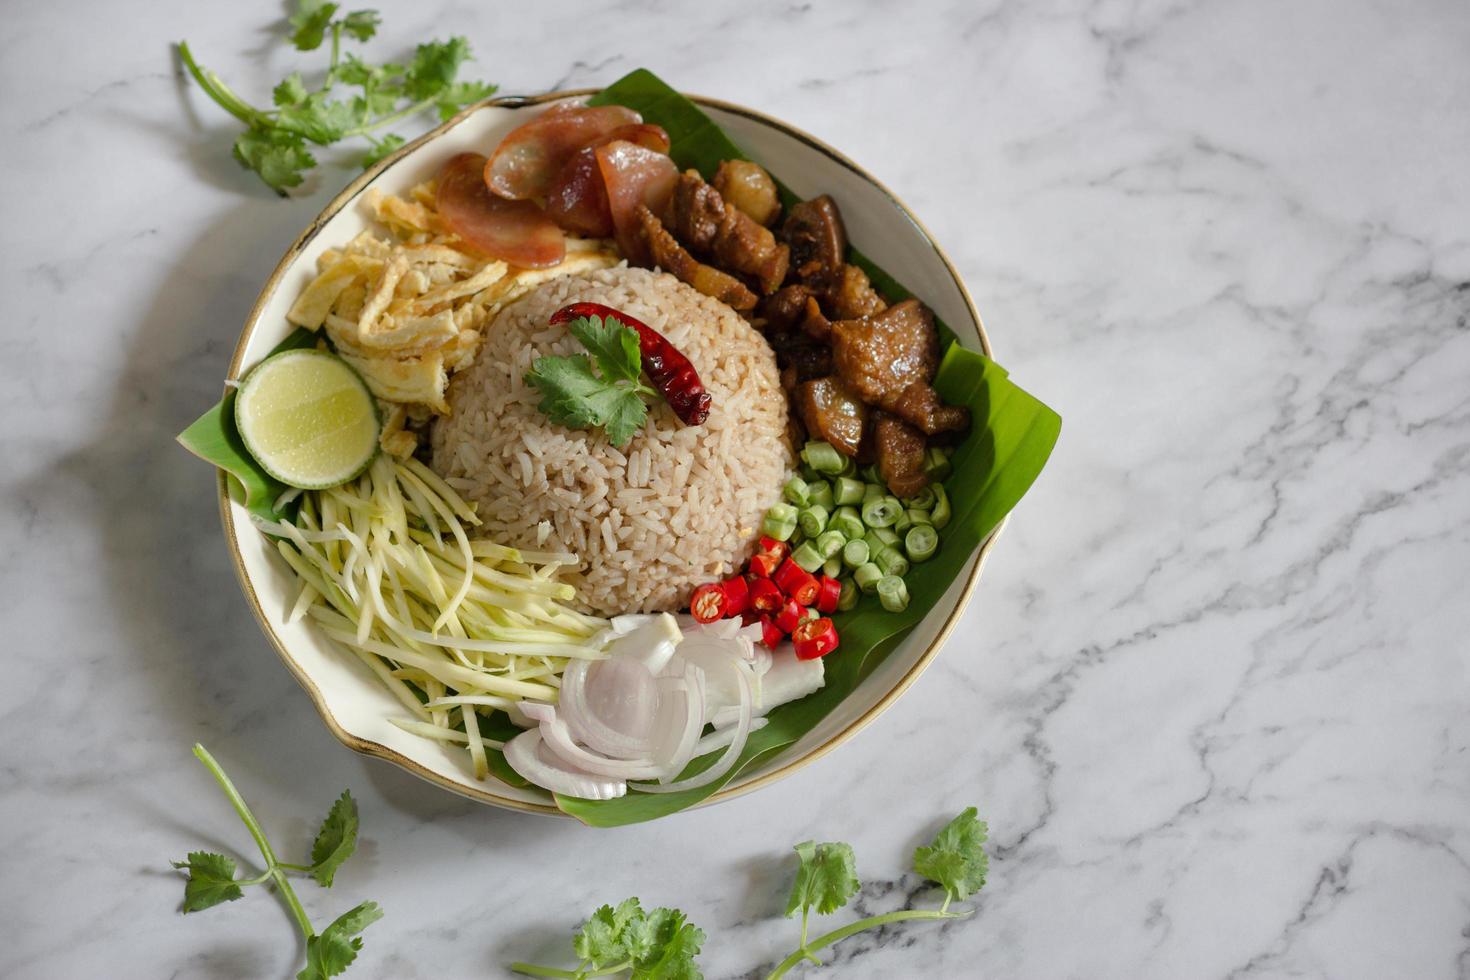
(1012, 437)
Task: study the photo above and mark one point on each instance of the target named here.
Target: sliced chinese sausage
(635, 177)
(517, 232)
(528, 160)
(577, 199)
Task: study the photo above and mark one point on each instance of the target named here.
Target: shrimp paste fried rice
(678, 505)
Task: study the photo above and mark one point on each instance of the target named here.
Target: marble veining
(1211, 694)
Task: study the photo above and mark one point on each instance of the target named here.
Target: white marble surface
(1211, 694)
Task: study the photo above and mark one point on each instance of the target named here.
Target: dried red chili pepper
(814, 638)
(667, 367)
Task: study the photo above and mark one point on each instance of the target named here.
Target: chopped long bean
(780, 522)
(813, 520)
(921, 542)
(855, 553)
(867, 576)
(892, 593)
(846, 490)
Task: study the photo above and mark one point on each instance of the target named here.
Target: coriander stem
(804, 913)
(242, 809)
(382, 121)
(872, 922)
(216, 89)
(532, 970)
(305, 868)
(336, 51)
(258, 879)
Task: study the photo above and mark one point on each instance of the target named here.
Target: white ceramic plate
(351, 700)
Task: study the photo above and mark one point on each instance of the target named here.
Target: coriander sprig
(211, 878)
(662, 944)
(274, 143)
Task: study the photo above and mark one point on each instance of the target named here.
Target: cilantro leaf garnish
(825, 880)
(274, 143)
(659, 944)
(335, 841)
(575, 396)
(955, 860)
(333, 951)
(212, 878)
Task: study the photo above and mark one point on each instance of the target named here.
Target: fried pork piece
(833, 413)
(815, 325)
(900, 449)
(881, 355)
(703, 222)
(920, 406)
(818, 241)
(670, 256)
(748, 187)
(847, 292)
(785, 308)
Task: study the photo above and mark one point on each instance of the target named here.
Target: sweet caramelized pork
(900, 449)
(879, 356)
(785, 308)
(847, 293)
(703, 222)
(748, 187)
(833, 413)
(920, 406)
(670, 256)
(814, 231)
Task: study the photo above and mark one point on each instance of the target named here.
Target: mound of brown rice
(676, 507)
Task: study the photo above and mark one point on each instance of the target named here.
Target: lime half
(308, 419)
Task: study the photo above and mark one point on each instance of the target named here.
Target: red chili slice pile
(783, 597)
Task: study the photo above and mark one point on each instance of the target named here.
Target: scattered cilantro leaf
(380, 148)
(362, 24)
(434, 67)
(290, 91)
(333, 951)
(825, 879)
(211, 880)
(955, 859)
(279, 156)
(603, 939)
(335, 841)
(573, 395)
(274, 143)
(672, 944)
(310, 22)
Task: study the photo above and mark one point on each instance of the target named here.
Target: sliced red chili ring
(765, 597)
(737, 595)
(796, 582)
(829, 592)
(789, 617)
(771, 636)
(815, 638)
(770, 546)
(708, 603)
(763, 566)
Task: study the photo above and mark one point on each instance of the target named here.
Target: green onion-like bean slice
(797, 492)
(780, 522)
(830, 543)
(902, 523)
(893, 593)
(847, 491)
(936, 464)
(881, 512)
(832, 567)
(917, 516)
(872, 491)
(808, 557)
(848, 467)
(892, 562)
(940, 514)
(849, 522)
(821, 494)
(823, 458)
(871, 474)
(867, 576)
(923, 500)
(808, 472)
(921, 542)
(813, 521)
(855, 553)
(849, 596)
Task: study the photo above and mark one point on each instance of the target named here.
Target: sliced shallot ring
(587, 727)
(558, 739)
(525, 755)
(726, 762)
(683, 732)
